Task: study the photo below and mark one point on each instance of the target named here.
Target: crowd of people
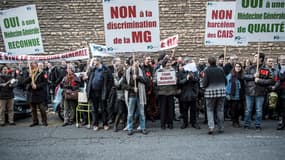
(130, 93)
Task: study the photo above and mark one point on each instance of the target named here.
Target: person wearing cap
(36, 93)
(100, 82)
(188, 81)
(69, 82)
(256, 85)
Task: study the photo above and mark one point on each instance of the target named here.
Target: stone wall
(71, 24)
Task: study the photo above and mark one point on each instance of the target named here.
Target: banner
(168, 43)
(220, 24)
(21, 31)
(260, 20)
(99, 50)
(131, 25)
(69, 56)
(166, 78)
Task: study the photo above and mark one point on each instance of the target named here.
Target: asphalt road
(57, 143)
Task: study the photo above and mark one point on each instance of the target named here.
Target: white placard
(168, 43)
(99, 50)
(21, 31)
(220, 24)
(79, 54)
(166, 78)
(131, 25)
(260, 20)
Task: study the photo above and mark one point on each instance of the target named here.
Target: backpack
(272, 100)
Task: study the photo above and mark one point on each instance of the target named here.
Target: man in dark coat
(188, 81)
(36, 93)
(151, 110)
(100, 82)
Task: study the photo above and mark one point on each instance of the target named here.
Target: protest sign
(168, 43)
(99, 50)
(21, 31)
(131, 25)
(260, 20)
(80, 54)
(220, 24)
(166, 78)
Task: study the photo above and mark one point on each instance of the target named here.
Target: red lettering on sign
(222, 14)
(139, 37)
(123, 12)
(225, 34)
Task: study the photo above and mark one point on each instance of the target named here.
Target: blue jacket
(236, 96)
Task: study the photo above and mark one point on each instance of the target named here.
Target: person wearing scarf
(72, 82)
(36, 93)
(233, 92)
(135, 95)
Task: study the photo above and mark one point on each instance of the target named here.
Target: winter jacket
(165, 90)
(229, 87)
(108, 82)
(259, 88)
(37, 95)
(6, 92)
(189, 88)
(214, 82)
(70, 84)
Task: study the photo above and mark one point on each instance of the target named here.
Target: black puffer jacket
(259, 88)
(189, 88)
(6, 92)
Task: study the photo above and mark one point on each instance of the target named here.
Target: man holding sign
(256, 82)
(134, 84)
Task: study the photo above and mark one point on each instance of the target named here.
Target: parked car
(57, 102)
(21, 104)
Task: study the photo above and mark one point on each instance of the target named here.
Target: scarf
(233, 85)
(141, 87)
(70, 80)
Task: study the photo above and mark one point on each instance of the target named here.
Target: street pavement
(70, 143)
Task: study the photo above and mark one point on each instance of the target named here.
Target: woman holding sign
(165, 79)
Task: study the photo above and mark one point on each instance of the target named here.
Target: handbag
(70, 94)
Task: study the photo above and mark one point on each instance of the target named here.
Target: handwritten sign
(166, 78)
